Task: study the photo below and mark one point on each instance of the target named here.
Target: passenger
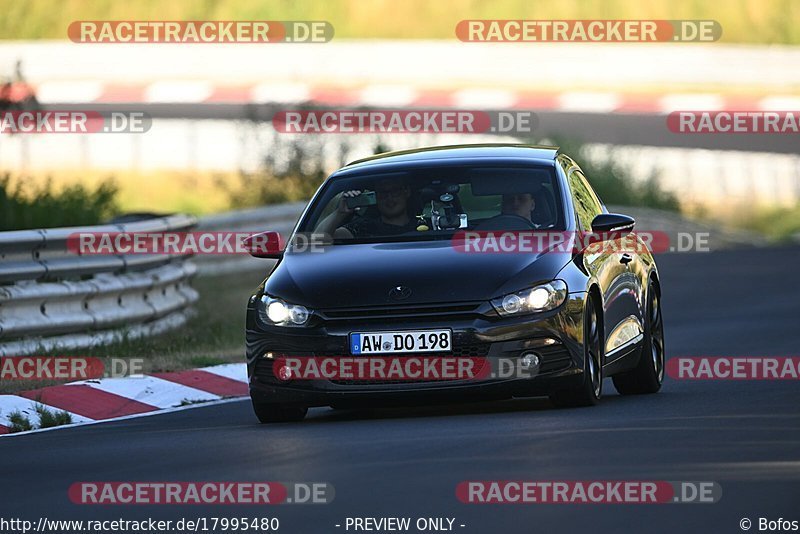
(392, 218)
(521, 204)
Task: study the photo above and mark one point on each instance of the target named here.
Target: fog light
(529, 360)
(285, 373)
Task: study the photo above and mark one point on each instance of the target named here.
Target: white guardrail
(52, 299)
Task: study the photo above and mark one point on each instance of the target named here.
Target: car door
(611, 266)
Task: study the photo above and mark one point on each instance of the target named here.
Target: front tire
(648, 375)
(590, 391)
(278, 413)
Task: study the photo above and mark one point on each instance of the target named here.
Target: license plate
(401, 342)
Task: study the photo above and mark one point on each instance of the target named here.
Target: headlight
(277, 312)
(541, 298)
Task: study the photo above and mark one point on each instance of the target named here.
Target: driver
(520, 204)
(391, 201)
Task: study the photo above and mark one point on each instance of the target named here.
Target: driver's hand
(343, 209)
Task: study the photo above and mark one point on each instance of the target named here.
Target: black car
(391, 276)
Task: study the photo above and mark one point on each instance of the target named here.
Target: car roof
(455, 152)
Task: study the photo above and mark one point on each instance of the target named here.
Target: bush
(614, 184)
(19, 422)
(780, 225)
(24, 205)
(291, 171)
(49, 418)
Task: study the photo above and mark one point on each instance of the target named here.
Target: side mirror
(612, 225)
(265, 245)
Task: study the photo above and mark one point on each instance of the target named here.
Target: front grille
(554, 358)
(460, 350)
(469, 350)
(386, 382)
(263, 370)
(264, 367)
(465, 309)
(361, 382)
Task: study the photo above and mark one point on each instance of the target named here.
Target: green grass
(743, 21)
(206, 361)
(779, 225)
(48, 418)
(19, 422)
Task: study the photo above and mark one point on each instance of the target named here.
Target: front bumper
(478, 335)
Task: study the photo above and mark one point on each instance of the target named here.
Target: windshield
(436, 202)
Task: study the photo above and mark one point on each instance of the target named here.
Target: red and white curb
(111, 398)
(404, 96)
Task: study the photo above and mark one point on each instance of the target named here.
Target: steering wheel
(506, 221)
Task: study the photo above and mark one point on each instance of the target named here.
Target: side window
(592, 192)
(587, 206)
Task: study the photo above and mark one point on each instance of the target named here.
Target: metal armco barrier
(279, 218)
(51, 298)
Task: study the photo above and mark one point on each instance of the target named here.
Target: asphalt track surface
(407, 463)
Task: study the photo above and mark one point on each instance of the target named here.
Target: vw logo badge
(400, 292)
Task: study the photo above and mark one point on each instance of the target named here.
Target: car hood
(357, 275)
